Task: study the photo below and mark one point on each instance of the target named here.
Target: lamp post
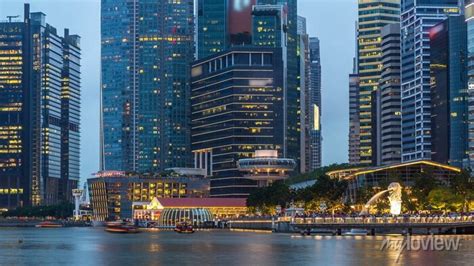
(77, 193)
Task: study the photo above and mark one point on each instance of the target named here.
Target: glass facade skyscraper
(417, 19)
(373, 15)
(237, 108)
(147, 49)
(39, 112)
(315, 104)
(469, 16)
(449, 94)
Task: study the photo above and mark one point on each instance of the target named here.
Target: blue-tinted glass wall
(147, 48)
(417, 19)
(449, 110)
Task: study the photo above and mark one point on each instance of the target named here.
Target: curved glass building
(196, 216)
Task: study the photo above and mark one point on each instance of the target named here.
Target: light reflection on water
(93, 246)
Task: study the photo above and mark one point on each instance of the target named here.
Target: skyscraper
(147, 48)
(315, 104)
(449, 110)
(39, 112)
(222, 24)
(390, 109)
(237, 108)
(373, 15)
(417, 19)
(354, 130)
(304, 87)
(469, 16)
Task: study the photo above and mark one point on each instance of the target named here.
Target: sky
(330, 20)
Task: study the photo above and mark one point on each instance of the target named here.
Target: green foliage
(325, 190)
(444, 199)
(63, 210)
(265, 199)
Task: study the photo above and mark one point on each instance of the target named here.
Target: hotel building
(39, 112)
(237, 108)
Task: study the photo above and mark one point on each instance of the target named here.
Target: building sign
(240, 21)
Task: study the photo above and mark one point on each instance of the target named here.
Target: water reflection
(93, 246)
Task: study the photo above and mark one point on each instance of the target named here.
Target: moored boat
(184, 228)
(48, 224)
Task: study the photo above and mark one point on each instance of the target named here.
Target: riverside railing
(379, 220)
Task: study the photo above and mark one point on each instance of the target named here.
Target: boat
(356, 232)
(184, 228)
(121, 228)
(48, 224)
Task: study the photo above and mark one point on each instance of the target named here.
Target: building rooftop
(202, 202)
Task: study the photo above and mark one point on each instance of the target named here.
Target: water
(93, 246)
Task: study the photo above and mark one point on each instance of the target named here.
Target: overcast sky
(330, 20)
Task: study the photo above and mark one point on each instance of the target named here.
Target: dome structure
(195, 216)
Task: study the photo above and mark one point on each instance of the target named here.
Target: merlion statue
(394, 196)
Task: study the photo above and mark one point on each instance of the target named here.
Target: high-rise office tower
(373, 15)
(354, 131)
(147, 49)
(315, 104)
(304, 81)
(222, 24)
(237, 108)
(449, 93)
(39, 112)
(417, 19)
(469, 17)
(390, 109)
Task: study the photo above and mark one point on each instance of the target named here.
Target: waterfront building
(147, 49)
(169, 211)
(390, 109)
(370, 177)
(418, 17)
(373, 15)
(315, 105)
(237, 108)
(39, 112)
(449, 110)
(112, 193)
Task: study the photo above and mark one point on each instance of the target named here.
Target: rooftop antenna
(11, 17)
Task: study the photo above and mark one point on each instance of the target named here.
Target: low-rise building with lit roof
(405, 172)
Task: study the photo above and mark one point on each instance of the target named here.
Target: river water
(93, 246)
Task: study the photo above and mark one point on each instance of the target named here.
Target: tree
(463, 186)
(423, 185)
(444, 199)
